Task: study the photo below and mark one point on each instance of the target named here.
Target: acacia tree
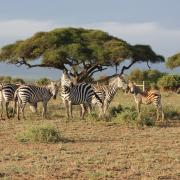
(173, 61)
(82, 51)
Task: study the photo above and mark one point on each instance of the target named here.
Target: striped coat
(7, 95)
(147, 97)
(107, 92)
(79, 94)
(33, 94)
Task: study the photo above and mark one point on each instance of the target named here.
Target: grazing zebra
(79, 94)
(107, 92)
(7, 94)
(33, 94)
(147, 97)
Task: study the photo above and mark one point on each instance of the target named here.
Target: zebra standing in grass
(107, 92)
(33, 94)
(79, 94)
(148, 97)
(7, 95)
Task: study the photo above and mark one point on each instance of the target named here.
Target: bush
(43, 82)
(115, 110)
(18, 80)
(151, 75)
(171, 113)
(8, 79)
(169, 82)
(41, 134)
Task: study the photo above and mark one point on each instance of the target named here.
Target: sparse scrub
(115, 110)
(171, 113)
(42, 134)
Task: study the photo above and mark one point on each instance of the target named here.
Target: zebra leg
(2, 110)
(70, 109)
(89, 108)
(14, 108)
(67, 108)
(100, 110)
(139, 113)
(18, 110)
(44, 109)
(22, 110)
(7, 113)
(82, 111)
(105, 107)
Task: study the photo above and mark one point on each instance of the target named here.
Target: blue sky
(154, 22)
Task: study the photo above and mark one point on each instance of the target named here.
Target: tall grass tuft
(41, 134)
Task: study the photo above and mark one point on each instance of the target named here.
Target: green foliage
(43, 82)
(41, 134)
(8, 79)
(56, 46)
(150, 76)
(115, 110)
(77, 47)
(171, 113)
(18, 80)
(173, 61)
(169, 82)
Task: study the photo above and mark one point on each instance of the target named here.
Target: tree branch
(127, 67)
(21, 62)
(148, 64)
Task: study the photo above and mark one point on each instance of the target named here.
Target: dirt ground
(94, 150)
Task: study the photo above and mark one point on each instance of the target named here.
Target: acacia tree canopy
(84, 51)
(173, 61)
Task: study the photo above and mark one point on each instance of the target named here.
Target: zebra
(33, 94)
(7, 95)
(79, 94)
(146, 97)
(107, 92)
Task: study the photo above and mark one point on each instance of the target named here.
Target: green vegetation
(8, 79)
(150, 77)
(85, 51)
(169, 82)
(173, 61)
(155, 79)
(43, 82)
(42, 134)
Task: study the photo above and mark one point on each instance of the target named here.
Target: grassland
(94, 149)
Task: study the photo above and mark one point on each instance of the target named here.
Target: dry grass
(95, 150)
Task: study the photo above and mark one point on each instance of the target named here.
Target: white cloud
(163, 40)
(14, 28)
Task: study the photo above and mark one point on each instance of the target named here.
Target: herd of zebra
(84, 94)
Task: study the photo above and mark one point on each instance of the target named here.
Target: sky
(154, 22)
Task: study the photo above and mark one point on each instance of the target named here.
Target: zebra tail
(97, 97)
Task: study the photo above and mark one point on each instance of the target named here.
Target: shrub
(151, 75)
(18, 80)
(169, 82)
(115, 110)
(171, 113)
(42, 134)
(43, 82)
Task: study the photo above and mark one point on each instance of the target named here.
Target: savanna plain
(93, 148)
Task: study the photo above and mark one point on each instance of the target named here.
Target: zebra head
(119, 81)
(54, 88)
(132, 87)
(65, 80)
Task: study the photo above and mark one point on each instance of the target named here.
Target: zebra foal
(107, 92)
(33, 94)
(147, 97)
(79, 94)
(7, 95)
